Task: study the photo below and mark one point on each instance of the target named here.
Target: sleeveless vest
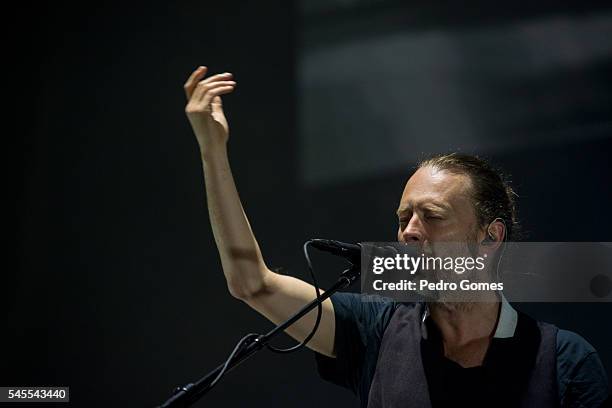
(400, 381)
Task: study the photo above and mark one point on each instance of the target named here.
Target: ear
(497, 231)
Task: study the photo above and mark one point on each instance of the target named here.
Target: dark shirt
(360, 325)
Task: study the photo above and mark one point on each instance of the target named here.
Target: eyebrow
(425, 204)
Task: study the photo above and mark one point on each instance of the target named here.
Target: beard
(456, 251)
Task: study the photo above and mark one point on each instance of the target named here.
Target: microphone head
(352, 252)
(330, 244)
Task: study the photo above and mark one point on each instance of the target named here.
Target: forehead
(442, 188)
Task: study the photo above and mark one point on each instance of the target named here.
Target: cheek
(446, 231)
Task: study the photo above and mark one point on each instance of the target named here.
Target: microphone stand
(190, 393)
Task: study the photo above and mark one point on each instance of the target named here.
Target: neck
(462, 323)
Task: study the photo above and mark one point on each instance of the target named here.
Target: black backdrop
(117, 290)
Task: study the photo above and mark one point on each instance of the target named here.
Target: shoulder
(572, 346)
(368, 312)
(581, 375)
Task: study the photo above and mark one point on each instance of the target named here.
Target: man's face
(436, 207)
(437, 213)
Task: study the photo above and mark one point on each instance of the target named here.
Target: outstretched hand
(204, 108)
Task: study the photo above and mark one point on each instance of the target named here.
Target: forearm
(243, 264)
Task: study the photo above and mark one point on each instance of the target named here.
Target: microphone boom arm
(189, 394)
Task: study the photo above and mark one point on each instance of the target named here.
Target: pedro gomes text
(411, 264)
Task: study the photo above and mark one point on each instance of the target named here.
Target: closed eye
(433, 216)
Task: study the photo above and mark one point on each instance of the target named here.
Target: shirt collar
(506, 325)
(508, 318)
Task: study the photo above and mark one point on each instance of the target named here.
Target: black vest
(527, 361)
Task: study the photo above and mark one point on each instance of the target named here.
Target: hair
(491, 193)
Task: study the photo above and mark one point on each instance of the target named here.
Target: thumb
(217, 105)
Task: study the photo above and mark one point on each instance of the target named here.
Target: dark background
(117, 289)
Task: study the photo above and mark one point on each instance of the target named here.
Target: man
(393, 354)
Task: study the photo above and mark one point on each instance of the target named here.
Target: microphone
(351, 252)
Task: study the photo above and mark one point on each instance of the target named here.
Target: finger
(221, 90)
(203, 88)
(226, 76)
(208, 92)
(193, 80)
(217, 104)
(197, 93)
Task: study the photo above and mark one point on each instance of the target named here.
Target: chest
(412, 371)
(470, 354)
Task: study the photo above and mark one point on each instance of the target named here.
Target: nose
(413, 232)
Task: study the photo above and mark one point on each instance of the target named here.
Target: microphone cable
(319, 307)
(292, 349)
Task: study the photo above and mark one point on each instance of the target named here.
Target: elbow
(240, 292)
(248, 289)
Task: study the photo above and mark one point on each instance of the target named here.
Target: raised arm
(248, 278)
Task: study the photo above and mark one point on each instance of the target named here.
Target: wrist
(213, 152)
